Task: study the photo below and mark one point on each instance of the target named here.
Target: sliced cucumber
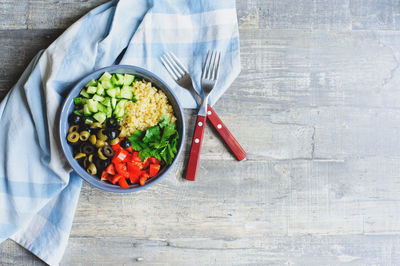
(107, 84)
(78, 112)
(126, 93)
(119, 109)
(84, 93)
(117, 79)
(101, 108)
(100, 90)
(111, 92)
(91, 90)
(118, 92)
(78, 101)
(128, 79)
(109, 112)
(88, 121)
(106, 101)
(86, 110)
(113, 103)
(92, 104)
(91, 83)
(98, 98)
(105, 77)
(100, 117)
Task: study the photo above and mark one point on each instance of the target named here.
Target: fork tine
(203, 73)
(216, 66)
(169, 68)
(212, 66)
(208, 65)
(174, 64)
(178, 62)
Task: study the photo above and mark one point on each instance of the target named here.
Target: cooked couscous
(147, 111)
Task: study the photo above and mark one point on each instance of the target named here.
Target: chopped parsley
(159, 141)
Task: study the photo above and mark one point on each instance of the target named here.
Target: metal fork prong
(174, 64)
(216, 67)
(208, 72)
(208, 63)
(213, 66)
(178, 62)
(203, 73)
(170, 68)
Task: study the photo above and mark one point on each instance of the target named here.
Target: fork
(181, 76)
(208, 79)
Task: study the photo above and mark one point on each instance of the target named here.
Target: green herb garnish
(159, 141)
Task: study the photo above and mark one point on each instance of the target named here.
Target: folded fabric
(38, 190)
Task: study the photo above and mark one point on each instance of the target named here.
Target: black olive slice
(107, 151)
(125, 143)
(87, 148)
(74, 119)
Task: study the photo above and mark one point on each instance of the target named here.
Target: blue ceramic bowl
(68, 107)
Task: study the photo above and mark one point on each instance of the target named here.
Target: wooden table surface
(316, 106)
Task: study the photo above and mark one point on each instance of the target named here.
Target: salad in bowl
(121, 128)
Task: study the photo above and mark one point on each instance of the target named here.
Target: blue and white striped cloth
(38, 190)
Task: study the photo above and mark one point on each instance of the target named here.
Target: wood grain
(319, 118)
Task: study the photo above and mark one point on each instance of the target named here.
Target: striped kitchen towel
(38, 190)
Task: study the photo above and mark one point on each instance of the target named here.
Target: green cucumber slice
(91, 83)
(107, 84)
(128, 79)
(98, 98)
(119, 109)
(100, 117)
(78, 112)
(113, 103)
(106, 101)
(126, 93)
(118, 93)
(91, 90)
(78, 101)
(84, 93)
(100, 90)
(86, 110)
(88, 121)
(111, 92)
(109, 112)
(105, 77)
(101, 108)
(117, 79)
(92, 104)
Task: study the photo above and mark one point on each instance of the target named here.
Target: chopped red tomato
(135, 157)
(104, 176)
(146, 163)
(154, 160)
(122, 169)
(129, 149)
(153, 170)
(122, 183)
(110, 169)
(143, 178)
(133, 169)
(116, 178)
(120, 156)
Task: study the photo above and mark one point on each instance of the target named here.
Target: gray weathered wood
(317, 108)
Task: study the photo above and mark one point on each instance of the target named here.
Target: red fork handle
(194, 156)
(225, 134)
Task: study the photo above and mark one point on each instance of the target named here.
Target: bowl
(68, 107)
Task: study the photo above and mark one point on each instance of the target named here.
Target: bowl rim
(78, 169)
